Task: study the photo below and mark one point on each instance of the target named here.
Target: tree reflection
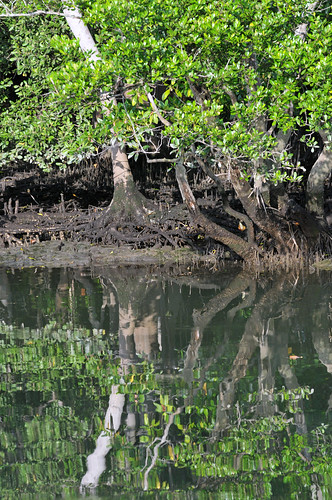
(212, 378)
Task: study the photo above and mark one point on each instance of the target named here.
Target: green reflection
(120, 384)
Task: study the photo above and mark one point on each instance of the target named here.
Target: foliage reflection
(114, 381)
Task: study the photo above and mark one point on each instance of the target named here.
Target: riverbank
(49, 221)
(76, 254)
(58, 253)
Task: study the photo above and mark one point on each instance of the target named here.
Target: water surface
(119, 383)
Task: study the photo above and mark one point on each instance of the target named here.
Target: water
(120, 383)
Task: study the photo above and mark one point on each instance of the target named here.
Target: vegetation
(237, 90)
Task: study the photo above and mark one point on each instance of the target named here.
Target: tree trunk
(316, 180)
(244, 249)
(128, 202)
(263, 220)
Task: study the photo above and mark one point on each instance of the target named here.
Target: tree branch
(197, 95)
(161, 442)
(161, 160)
(156, 110)
(228, 209)
(230, 94)
(38, 13)
(302, 29)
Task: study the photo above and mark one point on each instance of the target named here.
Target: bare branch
(156, 110)
(302, 29)
(228, 209)
(197, 95)
(82, 33)
(37, 13)
(161, 443)
(161, 160)
(230, 93)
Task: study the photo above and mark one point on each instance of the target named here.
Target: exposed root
(139, 235)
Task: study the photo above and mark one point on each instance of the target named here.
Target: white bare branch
(161, 443)
(70, 14)
(156, 110)
(81, 32)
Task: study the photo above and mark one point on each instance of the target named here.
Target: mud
(54, 219)
(78, 254)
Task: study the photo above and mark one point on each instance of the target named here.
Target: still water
(118, 383)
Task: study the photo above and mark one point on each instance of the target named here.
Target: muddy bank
(56, 220)
(38, 207)
(73, 254)
(76, 254)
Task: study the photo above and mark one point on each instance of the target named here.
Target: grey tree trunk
(316, 180)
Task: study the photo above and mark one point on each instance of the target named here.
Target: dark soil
(50, 219)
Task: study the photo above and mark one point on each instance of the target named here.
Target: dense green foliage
(222, 74)
(240, 90)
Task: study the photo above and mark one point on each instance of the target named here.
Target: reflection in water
(113, 380)
(96, 462)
